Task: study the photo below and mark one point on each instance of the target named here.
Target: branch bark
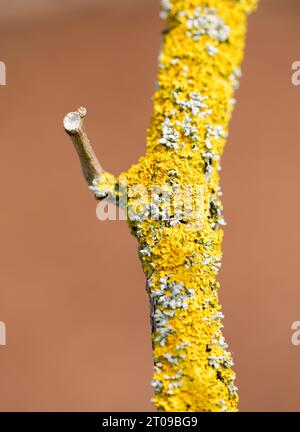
(198, 73)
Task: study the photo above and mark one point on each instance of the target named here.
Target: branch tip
(73, 121)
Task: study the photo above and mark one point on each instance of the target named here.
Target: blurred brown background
(71, 288)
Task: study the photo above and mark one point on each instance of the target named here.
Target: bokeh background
(72, 292)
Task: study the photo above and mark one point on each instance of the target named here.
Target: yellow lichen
(198, 71)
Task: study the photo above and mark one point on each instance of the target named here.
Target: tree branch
(73, 124)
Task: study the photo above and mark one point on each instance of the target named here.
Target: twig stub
(73, 125)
